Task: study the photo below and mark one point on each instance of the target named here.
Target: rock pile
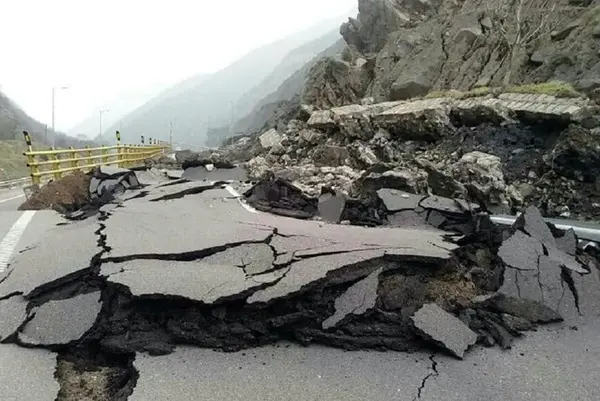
(504, 152)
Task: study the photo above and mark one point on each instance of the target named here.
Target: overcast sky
(103, 48)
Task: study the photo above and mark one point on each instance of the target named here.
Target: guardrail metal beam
(86, 158)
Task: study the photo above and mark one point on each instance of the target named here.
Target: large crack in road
(186, 267)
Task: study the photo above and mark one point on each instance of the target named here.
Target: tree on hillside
(520, 22)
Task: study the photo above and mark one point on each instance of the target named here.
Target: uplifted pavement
(184, 263)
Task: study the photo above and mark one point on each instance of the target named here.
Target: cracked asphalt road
(171, 248)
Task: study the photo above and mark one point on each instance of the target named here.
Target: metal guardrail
(14, 183)
(583, 230)
(60, 161)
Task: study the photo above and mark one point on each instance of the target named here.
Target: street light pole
(53, 107)
(101, 113)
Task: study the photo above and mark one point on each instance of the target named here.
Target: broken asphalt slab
(61, 255)
(61, 322)
(537, 269)
(444, 329)
(357, 299)
(199, 269)
(188, 225)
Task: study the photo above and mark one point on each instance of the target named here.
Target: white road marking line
(235, 193)
(13, 198)
(9, 243)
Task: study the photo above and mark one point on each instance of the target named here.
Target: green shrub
(552, 88)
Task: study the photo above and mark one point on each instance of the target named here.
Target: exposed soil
(67, 194)
(82, 378)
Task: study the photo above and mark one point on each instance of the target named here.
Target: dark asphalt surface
(549, 365)
(557, 363)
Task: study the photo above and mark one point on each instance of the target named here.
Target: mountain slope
(119, 107)
(13, 121)
(404, 49)
(287, 91)
(215, 101)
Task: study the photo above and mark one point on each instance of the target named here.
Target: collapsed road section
(183, 264)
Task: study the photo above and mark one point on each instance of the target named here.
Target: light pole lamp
(101, 113)
(54, 88)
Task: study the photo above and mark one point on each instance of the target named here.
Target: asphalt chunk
(12, 315)
(30, 271)
(521, 251)
(527, 309)
(310, 271)
(62, 322)
(533, 223)
(444, 329)
(395, 200)
(568, 242)
(357, 299)
(331, 207)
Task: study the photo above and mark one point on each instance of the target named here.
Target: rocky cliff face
(399, 49)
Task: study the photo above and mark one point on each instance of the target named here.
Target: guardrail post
(73, 156)
(127, 156)
(119, 150)
(104, 154)
(89, 154)
(56, 164)
(33, 168)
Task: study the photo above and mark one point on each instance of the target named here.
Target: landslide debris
(79, 195)
(504, 153)
(64, 195)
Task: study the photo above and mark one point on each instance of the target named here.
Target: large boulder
(332, 82)
(482, 174)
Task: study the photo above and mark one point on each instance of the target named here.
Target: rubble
(64, 195)
(504, 152)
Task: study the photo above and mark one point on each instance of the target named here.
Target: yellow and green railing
(58, 162)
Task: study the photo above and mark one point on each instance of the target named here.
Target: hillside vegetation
(13, 121)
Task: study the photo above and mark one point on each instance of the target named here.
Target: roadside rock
(483, 173)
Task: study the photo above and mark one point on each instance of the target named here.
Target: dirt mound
(67, 194)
